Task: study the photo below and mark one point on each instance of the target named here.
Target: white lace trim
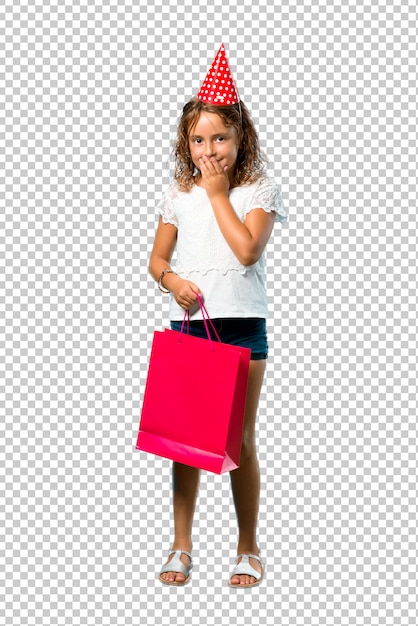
(269, 198)
(241, 269)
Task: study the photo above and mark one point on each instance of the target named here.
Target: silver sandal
(176, 565)
(245, 569)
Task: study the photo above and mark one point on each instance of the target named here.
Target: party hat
(219, 86)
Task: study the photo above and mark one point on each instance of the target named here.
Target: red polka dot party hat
(219, 86)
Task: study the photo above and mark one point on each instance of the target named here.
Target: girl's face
(211, 138)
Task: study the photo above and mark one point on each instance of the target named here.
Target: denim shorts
(248, 332)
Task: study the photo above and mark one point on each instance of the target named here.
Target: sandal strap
(176, 565)
(251, 556)
(244, 568)
(181, 552)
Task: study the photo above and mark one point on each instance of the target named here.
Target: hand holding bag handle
(206, 319)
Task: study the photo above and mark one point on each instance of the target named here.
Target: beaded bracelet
(160, 280)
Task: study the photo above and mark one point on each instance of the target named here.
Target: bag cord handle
(206, 319)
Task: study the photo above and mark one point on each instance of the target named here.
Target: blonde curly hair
(250, 160)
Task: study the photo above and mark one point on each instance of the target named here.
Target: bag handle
(186, 318)
(205, 312)
(206, 319)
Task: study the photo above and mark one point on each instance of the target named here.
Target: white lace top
(203, 256)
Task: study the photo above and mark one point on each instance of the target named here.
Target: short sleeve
(166, 206)
(269, 198)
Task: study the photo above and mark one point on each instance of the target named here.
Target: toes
(242, 580)
(171, 577)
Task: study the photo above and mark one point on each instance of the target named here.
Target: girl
(219, 212)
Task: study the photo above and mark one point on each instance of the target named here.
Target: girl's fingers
(189, 299)
(210, 164)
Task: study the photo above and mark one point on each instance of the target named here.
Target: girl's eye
(198, 140)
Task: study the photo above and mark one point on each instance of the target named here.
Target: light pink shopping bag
(194, 402)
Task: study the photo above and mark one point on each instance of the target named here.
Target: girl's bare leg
(185, 488)
(245, 486)
(245, 480)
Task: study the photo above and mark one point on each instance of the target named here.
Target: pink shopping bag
(194, 401)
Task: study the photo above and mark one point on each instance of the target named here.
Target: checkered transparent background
(90, 94)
